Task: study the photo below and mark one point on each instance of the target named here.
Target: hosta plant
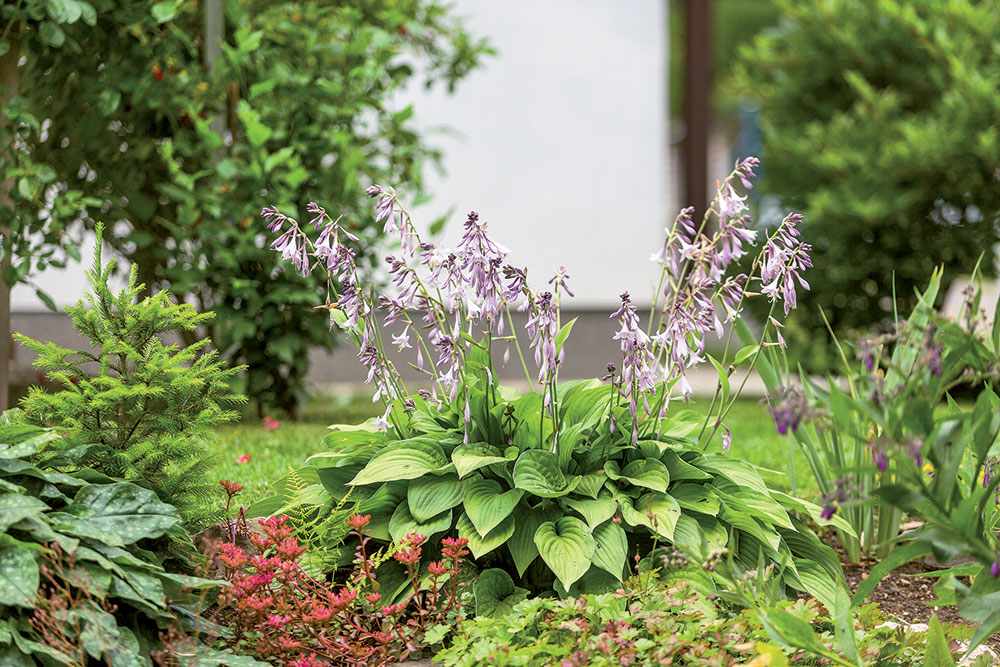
(560, 485)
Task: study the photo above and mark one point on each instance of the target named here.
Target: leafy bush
(558, 487)
(133, 407)
(880, 124)
(280, 613)
(141, 129)
(77, 579)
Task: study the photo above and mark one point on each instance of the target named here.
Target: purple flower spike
(995, 568)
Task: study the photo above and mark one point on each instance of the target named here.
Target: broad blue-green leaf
(567, 547)
(481, 545)
(430, 495)
(611, 548)
(522, 542)
(487, 504)
(407, 459)
(18, 577)
(496, 593)
(648, 473)
(657, 511)
(538, 473)
(402, 524)
(468, 458)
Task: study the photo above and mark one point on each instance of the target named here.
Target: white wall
(560, 143)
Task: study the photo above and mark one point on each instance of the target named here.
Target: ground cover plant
(132, 406)
(558, 486)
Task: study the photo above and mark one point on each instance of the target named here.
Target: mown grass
(273, 452)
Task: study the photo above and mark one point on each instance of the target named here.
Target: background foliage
(880, 125)
(298, 107)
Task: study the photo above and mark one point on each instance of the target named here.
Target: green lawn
(273, 452)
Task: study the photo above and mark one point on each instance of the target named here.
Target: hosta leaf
(656, 511)
(117, 514)
(647, 473)
(696, 498)
(381, 507)
(736, 471)
(594, 512)
(407, 459)
(522, 543)
(487, 504)
(16, 506)
(496, 593)
(591, 484)
(480, 545)
(680, 469)
(538, 473)
(18, 577)
(566, 546)
(612, 548)
(402, 524)
(430, 495)
(468, 458)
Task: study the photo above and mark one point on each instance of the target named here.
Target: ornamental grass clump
(558, 486)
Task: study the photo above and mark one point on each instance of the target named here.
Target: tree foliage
(880, 124)
(298, 107)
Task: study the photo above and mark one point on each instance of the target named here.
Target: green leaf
(117, 514)
(896, 557)
(407, 459)
(481, 545)
(657, 511)
(430, 495)
(63, 11)
(791, 630)
(594, 512)
(488, 505)
(18, 577)
(468, 458)
(402, 524)
(648, 473)
(567, 547)
(538, 473)
(937, 653)
(15, 506)
(563, 333)
(522, 542)
(611, 548)
(164, 11)
(496, 593)
(745, 353)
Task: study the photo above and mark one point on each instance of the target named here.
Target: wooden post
(697, 102)
(8, 81)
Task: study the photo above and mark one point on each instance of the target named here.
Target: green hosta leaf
(496, 593)
(407, 459)
(402, 524)
(696, 498)
(15, 506)
(164, 11)
(591, 484)
(680, 469)
(567, 547)
(647, 473)
(487, 504)
(736, 471)
(480, 545)
(468, 458)
(117, 514)
(538, 473)
(656, 511)
(594, 512)
(612, 548)
(381, 506)
(429, 495)
(522, 543)
(18, 577)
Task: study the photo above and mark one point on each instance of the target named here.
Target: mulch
(902, 595)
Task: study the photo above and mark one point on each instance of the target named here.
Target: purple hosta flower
(610, 374)
(783, 259)
(995, 568)
(778, 326)
(352, 303)
(733, 236)
(395, 310)
(683, 339)
(638, 363)
(869, 348)
(678, 241)
(292, 246)
(932, 351)
(475, 239)
(450, 356)
(833, 500)
(274, 218)
(915, 449)
(731, 205)
(517, 283)
(744, 170)
(731, 296)
(727, 438)
(378, 371)
(319, 214)
(542, 328)
(788, 407)
(382, 422)
(559, 281)
(402, 340)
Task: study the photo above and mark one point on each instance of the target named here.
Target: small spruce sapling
(133, 407)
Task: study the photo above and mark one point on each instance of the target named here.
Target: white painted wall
(559, 142)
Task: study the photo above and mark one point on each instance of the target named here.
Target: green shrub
(880, 124)
(133, 407)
